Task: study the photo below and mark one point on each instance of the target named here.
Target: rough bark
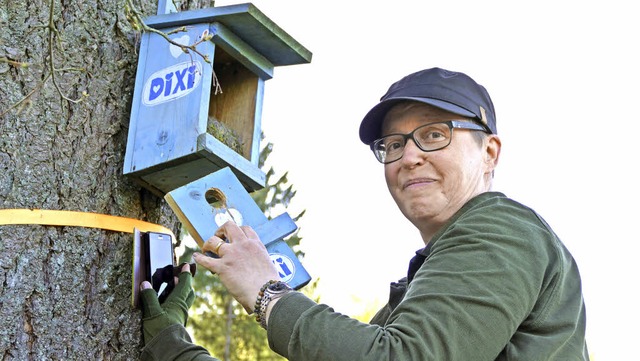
(65, 291)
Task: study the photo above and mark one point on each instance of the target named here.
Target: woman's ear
(492, 148)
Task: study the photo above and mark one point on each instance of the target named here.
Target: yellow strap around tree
(78, 219)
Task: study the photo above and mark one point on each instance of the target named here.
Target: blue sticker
(286, 267)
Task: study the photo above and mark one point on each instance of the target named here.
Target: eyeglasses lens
(428, 138)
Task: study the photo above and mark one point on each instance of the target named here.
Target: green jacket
(495, 283)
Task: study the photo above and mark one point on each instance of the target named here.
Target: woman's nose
(411, 153)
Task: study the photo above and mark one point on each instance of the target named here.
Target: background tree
(67, 72)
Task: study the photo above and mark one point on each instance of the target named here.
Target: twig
(19, 104)
(135, 18)
(52, 69)
(138, 23)
(17, 64)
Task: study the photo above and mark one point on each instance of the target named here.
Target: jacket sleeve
(174, 344)
(478, 284)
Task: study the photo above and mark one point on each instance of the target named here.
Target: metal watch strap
(272, 292)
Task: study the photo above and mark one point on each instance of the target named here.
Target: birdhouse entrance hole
(215, 198)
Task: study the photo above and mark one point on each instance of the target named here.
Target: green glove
(174, 310)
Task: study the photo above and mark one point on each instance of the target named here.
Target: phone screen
(160, 251)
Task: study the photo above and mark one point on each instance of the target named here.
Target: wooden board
(205, 204)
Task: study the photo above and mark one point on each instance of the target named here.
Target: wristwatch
(277, 289)
(273, 291)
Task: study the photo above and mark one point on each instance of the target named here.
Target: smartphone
(158, 249)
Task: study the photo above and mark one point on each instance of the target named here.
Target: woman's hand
(244, 264)
(174, 310)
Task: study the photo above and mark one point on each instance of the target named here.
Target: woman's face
(429, 187)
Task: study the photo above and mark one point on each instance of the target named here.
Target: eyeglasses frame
(453, 124)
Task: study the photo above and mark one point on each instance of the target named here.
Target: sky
(563, 76)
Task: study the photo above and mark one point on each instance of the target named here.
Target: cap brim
(370, 127)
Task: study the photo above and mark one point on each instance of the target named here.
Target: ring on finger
(217, 248)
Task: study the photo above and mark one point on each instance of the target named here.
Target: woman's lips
(417, 181)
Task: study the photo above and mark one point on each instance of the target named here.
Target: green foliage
(217, 321)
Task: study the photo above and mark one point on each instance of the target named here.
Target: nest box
(190, 117)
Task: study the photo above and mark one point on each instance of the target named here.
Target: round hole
(216, 198)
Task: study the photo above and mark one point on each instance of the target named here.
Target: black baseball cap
(448, 90)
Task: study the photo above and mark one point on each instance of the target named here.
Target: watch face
(278, 286)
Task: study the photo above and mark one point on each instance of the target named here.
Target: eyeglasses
(428, 138)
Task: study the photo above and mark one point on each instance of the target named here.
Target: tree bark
(65, 291)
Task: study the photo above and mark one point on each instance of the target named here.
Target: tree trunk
(228, 328)
(65, 291)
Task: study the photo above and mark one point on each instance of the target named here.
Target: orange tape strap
(78, 219)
